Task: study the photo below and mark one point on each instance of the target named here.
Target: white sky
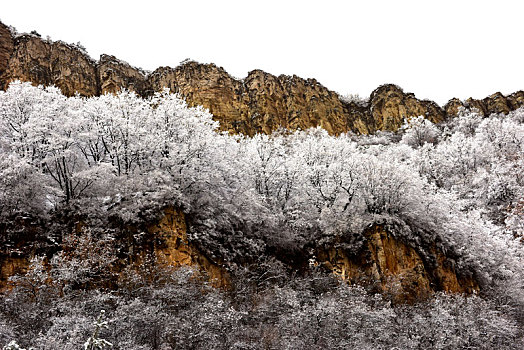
(437, 50)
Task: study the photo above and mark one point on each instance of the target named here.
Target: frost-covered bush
(354, 98)
(419, 131)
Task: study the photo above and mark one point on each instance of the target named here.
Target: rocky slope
(51, 63)
(6, 50)
(261, 102)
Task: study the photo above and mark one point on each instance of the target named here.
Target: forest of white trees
(462, 181)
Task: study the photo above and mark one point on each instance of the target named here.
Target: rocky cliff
(384, 263)
(113, 74)
(261, 102)
(172, 248)
(51, 63)
(390, 265)
(6, 50)
(162, 243)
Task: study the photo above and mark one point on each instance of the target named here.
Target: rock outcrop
(260, 103)
(172, 248)
(6, 50)
(384, 262)
(203, 84)
(20, 240)
(114, 74)
(496, 103)
(390, 106)
(165, 244)
(11, 266)
(388, 265)
(43, 62)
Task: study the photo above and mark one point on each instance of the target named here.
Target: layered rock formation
(390, 106)
(391, 266)
(384, 263)
(260, 103)
(495, 103)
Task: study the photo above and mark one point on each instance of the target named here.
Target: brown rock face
(260, 103)
(203, 84)
(172, 248)
(516, 100)
(395, 268)
(166, 241)
(11, 266)
(496, 103)
(52, 63)
(291, 102)
(390, 106)
(478, 105)
(16, 247)
(6, 50)
(453, 106)
(114, 75)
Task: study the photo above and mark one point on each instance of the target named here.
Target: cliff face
(495, 103)
(6, 50)
(12, 266)
(165, 244)
(113, 74)
(390, 106)
(20, 241)
(203, 84)
(172, 248)
(384, 263)
(393, 267)
(290, 102)
(52, 63)
(260, 103)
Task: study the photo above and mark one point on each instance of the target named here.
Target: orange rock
(171, 248)
(390, 266)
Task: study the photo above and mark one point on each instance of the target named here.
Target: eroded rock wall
(390, 106)
(391, 266)
(113, 75)
(165, 244)
(496, 103)
(12, 265)
(44, 62)
(6, 50)
(172, 248)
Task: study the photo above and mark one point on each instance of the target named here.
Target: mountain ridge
(259, 103)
